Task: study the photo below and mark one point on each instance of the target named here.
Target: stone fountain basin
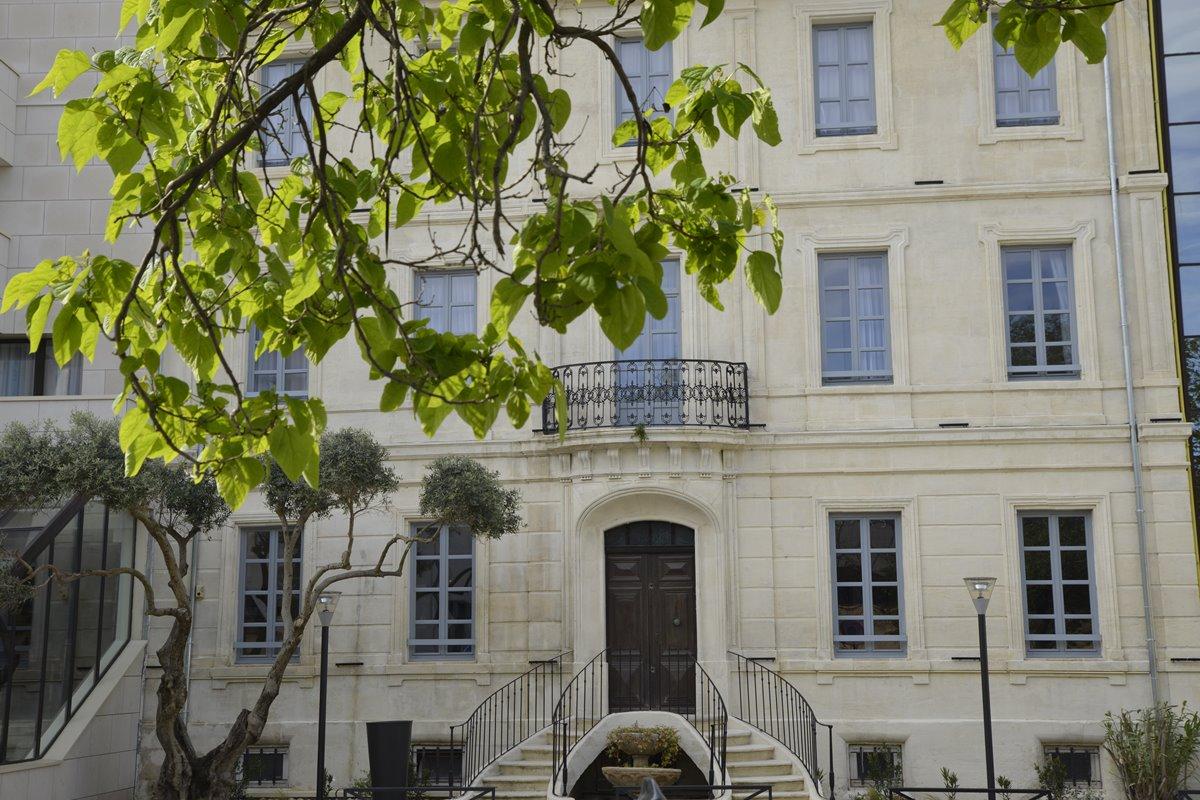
(633, 776)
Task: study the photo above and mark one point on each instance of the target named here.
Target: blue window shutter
(844, 79)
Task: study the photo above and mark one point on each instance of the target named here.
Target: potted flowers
(643, 753)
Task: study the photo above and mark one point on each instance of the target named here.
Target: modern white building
(942, 394)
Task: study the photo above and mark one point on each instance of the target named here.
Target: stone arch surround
(586, 573)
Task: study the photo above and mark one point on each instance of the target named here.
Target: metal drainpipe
(187, 664)
(1135, 448)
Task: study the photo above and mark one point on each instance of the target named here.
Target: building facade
(941, 394)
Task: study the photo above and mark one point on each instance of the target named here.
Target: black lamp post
(328, 602)
(981, 592)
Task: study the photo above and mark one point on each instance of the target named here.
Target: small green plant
(1005, 786)
(1052, 777)
(1155, 750)
(882, 772)
(950, 781)
(659, 743)
(639, 433)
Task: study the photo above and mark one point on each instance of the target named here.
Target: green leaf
(764, 119)
(79, 131)
(131, 9)
(1037, 41)
(764, 279)
(1086, 34)
(961, 21)
(559, 105)
(507, 299)
(68, 65)
(623, 316)
(237, 477)
(625, 133)
(393, 396)
(663, 21)
(715, 7)
(291, 448)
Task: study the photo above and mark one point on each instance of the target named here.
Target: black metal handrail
(673, 682)
(412, 793)
(508, 716)
(768, 702)
(72, 633)
(653, 391)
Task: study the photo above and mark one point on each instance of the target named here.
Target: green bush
(1155, 750)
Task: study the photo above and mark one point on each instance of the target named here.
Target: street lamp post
(981, 592)
(328, 602)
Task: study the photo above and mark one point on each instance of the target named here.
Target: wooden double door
(650, 591)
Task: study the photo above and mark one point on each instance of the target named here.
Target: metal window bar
(27, 732)
(650, 392)
(264, 765)
(1081, 763)
(769, 702)
(508, 716)
(867, 759)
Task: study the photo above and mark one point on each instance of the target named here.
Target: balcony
(651, 392)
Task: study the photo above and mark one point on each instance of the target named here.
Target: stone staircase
(752, 757)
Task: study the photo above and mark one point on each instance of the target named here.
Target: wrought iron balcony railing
(666, 391)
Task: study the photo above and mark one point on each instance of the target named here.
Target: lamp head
(981, 591)
(326, 602)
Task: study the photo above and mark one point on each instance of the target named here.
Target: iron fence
(508, 716)
(950, 793)
(656, 391)
(769, 702)
(738, 791)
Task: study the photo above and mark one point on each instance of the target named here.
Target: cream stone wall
(760, 499)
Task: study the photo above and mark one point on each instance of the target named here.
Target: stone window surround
(893, 242)
(606, 99)
(404, 520)
(822, 12)
(1069, 126)
(905, 509)
(1103, 562)
(292, 50)
(992, 237)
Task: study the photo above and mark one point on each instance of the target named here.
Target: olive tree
(175, 506)
(448, 104)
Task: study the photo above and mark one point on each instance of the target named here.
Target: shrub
(1155, 750)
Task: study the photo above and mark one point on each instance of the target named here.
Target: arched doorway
(650, 611)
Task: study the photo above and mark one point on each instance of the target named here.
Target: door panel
(651, 630)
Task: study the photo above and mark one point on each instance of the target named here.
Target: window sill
(880, 140)
(995, 134)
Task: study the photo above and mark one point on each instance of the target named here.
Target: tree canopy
(450, 104)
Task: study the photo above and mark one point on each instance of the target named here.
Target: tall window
(273, 371)
(447, 299)
(23, 373)
(1020, 99)
(844, 72)
(443, 595)
(283, 136)
(1039, 304)
(868, 591)
(855, 343)
(261, 594)
(1060, 588)
(649, 72)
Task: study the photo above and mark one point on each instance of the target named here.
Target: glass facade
(1178, 34)
(58, 644)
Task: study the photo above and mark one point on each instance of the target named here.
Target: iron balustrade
(508, 716)
(677, 684)
(657, 391)
(768, 702)
(57, 646)
(410, 793)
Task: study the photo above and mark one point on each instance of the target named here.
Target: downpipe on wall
(1135, 447)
